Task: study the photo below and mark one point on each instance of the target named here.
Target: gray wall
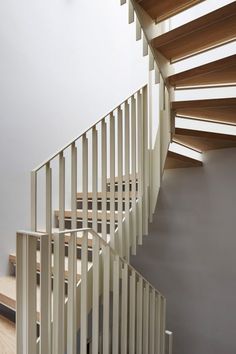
(190, 254)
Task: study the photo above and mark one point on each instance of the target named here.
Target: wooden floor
(7, 336)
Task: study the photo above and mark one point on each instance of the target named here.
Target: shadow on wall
(189, 254)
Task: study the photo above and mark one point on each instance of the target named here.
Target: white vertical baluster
(95, 176)
(104, 179)
(152, 322)
(146, 320)
(72, 304)
(73, 186)
(163, 324)
(140, 168)
(85, 181)
(48, 199)
(34, 201)
(139, 328)
(26, 294)
(95, 324)
(151, 60)
(59, 295)
(127, 181)
(132, 305)
(133, 174)
(169, 341)
(45, 294)
(150, 147)
(157, 74)
(84, 294)
(61, 192)
(145, 45)
(116, 306)
(106, 300)
(158, 324)
(124, 309)
(145, 162)
(120, 181)
(138, 30)
(112, 180)
(131, 12)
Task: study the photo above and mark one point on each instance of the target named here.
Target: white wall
(189, 254)
(63, 65)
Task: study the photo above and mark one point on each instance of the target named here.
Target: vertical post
(124, 309)
(132, 305)
(169, 341)
(158, 324)
(61, 192)
(72, 301)
(48, 199)
(152, 322)
(59, 295)
(140, 168)
(120, 182)
(116, 305)
(112, 181)
(84, 294)
(146, 320)
(127, 181)
(106, 300)
(139, 328)
(133, 174)
(95, 324)
(163, 324)
(145, 162)
(73, 186)
(95, 177)
(150, 149)
(26, 321)
(85, 181)
(45, 294)
(104, 179)
(33, 201)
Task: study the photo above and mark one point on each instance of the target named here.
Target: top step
(206, 32)
(161, 10)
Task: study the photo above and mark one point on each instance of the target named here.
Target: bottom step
(7, 336)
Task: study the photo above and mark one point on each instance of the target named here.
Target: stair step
(215, 110)
(202, 140)
(205, 32)
(80, 214)
(161, 10)
(175, 160)
(12, 260)
(7, 336)
(219, 72)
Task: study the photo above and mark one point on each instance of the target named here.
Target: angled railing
(115, 311)
(107, 162)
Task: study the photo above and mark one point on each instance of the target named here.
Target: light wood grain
(199, 35)
(7, 336)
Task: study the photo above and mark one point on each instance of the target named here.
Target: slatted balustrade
(110, 290)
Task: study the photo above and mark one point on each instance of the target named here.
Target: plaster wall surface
(189, 254)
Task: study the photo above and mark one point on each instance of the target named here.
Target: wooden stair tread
(218, 72)
(8, 292)
(205, 32)
(161, 10)
(12, 260)
(175, 160)
(221, 110)
(99, 195)
(202, 140)
(7, 336)
(80, 214)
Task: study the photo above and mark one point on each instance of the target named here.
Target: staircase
(92, 201)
